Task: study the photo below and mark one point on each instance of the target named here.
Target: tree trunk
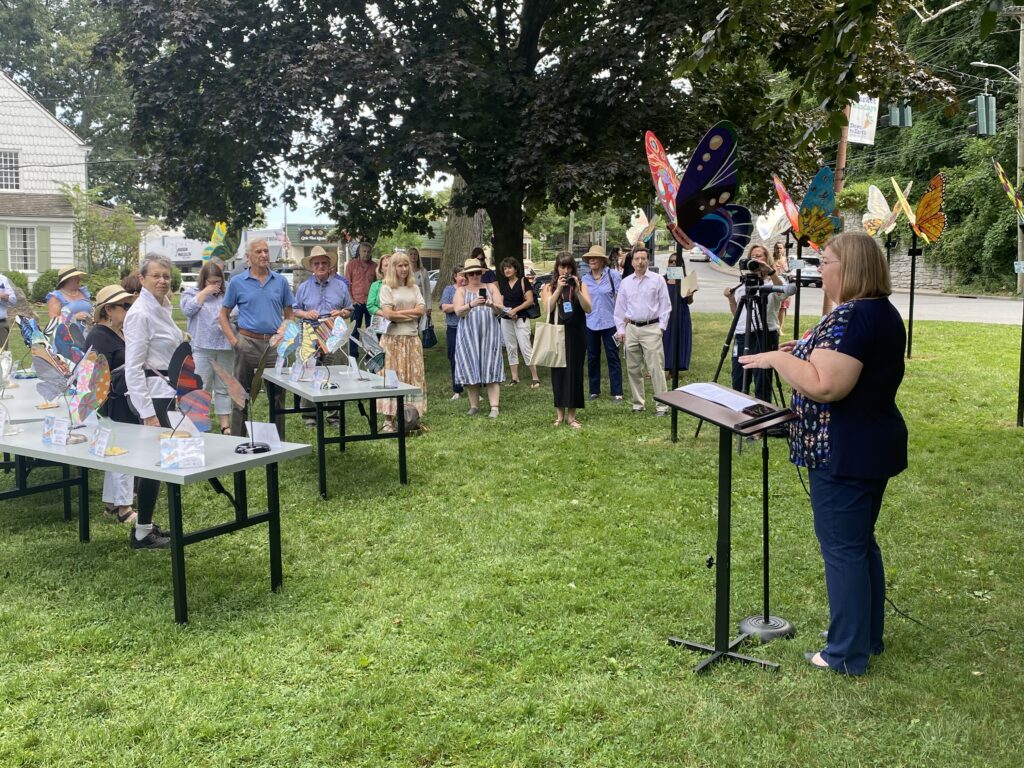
(461, 235)
(507, 222)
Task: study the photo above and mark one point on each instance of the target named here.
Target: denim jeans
(845, 512)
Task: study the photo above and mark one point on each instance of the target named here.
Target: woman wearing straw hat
(478, 344)
(201, 304)
(69, 293)
(107, 339)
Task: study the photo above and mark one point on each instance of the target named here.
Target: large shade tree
(530, 102)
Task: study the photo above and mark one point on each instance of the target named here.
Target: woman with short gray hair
(150, 337)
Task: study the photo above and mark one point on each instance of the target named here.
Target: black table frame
(342, 439)
(179, 539)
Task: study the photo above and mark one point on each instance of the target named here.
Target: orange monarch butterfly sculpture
(928, 222)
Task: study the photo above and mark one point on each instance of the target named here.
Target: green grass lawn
(510, 607)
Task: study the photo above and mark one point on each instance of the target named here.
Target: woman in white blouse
(150, 337)
(401, 303)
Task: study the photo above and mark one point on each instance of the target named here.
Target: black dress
(567, 383)
(106, 342)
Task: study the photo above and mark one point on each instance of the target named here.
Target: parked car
(809, 275)
(433, 274)
(189, 280)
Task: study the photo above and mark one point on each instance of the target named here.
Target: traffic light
(901, 115)
(983, 107)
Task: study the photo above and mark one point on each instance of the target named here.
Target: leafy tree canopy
(531, 102)
(46, 47)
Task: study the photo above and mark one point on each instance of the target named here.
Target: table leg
(177, 553)
(403, 475)
(341, 426)
(373, 416)
(241, 497)
(83, 505)
(272, 405)
(65, 473)
(274, 527)
(321, 449)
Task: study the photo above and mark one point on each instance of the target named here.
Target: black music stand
(729, 422)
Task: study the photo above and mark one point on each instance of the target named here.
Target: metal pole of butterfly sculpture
(240, 397)
(928, 222)
(1018, 207)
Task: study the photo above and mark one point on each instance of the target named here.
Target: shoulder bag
(549, 344)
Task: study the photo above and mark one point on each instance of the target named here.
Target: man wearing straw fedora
(320, 297)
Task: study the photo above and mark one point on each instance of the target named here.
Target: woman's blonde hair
(382, 267)
(863, 273)
(391, 278)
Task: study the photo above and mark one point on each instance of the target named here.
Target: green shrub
(19, 279)
(45, 283)
(102, 278)
(175, 279)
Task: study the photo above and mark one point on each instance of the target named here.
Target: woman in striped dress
(478, 347)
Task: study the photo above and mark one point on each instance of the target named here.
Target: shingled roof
(35, 206)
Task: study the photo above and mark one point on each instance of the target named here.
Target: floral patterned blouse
(863, 434)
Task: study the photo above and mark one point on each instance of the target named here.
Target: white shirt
(150, 338)
(774, 302)
(12, 297)
(642, 299)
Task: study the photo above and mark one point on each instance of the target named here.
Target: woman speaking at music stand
(851, 437)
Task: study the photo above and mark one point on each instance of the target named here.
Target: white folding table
(143, 460)
(341, 388)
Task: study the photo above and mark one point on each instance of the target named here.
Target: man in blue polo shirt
(323, 295)
(264, 300)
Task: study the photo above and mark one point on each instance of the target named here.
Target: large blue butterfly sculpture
(704, 210)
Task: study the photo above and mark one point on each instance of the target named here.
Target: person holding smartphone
(479, 340)
(566, 301)
(201, 306)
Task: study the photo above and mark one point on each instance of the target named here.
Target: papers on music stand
(730, 399)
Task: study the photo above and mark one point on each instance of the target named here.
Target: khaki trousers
(643, 347)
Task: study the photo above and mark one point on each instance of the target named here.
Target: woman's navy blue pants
(845, 512)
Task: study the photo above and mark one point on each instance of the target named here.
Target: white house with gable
(38, 154)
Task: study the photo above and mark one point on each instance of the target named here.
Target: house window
(23, 248)
(10, 177)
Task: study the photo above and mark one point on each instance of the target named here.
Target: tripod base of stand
(768, 629)
(252, 448)
(717, 655)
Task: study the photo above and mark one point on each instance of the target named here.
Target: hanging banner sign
(863, 120)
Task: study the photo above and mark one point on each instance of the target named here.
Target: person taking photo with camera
(566, 301)
(755, 271)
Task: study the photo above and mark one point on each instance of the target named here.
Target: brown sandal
(575, 424)
(535, 384)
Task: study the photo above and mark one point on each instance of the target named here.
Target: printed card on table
(56, 431)
(391, 379)
(99, 442)
(182, 453)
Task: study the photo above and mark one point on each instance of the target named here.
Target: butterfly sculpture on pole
(698, 206)
(927, 221)
(815, 221)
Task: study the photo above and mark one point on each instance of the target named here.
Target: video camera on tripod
(753, 273)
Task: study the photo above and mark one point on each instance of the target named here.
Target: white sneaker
(455, 396)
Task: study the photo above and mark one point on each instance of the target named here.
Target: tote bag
(549, 344)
